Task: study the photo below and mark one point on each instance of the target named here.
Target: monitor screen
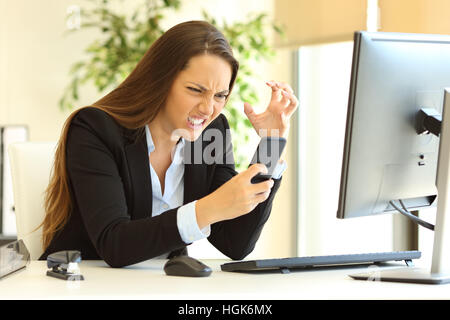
(385, 159)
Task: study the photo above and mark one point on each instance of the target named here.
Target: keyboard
(284, 264)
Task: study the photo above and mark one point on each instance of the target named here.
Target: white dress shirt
(174, 193)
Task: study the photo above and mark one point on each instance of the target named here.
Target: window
(324, 78)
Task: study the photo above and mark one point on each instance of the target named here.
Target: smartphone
(268, 153)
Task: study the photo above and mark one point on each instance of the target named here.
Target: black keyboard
(284, 264)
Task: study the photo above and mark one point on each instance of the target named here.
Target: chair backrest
(31, 163)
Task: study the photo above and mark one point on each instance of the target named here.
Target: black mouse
(186, 266)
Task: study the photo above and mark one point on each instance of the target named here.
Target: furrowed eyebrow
(204, 89)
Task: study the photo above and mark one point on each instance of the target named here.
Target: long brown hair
(136, 102)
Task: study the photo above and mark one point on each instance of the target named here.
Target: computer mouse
(186, 266)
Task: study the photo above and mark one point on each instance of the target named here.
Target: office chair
(31, 163)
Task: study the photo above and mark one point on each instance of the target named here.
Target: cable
(403, 205)
(408, 214)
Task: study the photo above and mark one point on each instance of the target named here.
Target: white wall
(35, 57)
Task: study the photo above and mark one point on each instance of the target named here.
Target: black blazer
(111, 191)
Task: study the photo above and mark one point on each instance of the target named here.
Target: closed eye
(194, 89)
(221, 96)
(218, 95)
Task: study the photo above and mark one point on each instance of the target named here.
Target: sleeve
(279, 169)
(188, 226)
(236, 238)
(99, 195)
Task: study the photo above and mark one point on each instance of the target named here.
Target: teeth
(195, 121)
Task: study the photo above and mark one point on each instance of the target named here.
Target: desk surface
(147, 280)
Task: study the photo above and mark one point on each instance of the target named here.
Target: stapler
(60, 261)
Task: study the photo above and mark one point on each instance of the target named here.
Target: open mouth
(195, 123)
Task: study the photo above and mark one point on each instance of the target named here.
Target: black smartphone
(268, 153)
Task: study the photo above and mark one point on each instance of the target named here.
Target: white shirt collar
(151, 145)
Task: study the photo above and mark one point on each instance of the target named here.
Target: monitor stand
(440, 266)
(408, 274)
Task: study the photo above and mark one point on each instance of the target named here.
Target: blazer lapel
(195, 175)
(138, 166)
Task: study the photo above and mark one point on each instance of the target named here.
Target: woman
(119, 191)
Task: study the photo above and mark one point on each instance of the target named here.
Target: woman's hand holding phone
(236, 197)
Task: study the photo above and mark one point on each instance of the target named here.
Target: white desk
(147, 280)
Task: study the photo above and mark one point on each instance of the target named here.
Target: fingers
(261, 197)
(260, 187)
(254, 169)
(263, 187)
(279, 85)
(292, 103)
(246, 195)
(248, 110)
(288, 99)
(285, 100)
(277, 88)
(276, 95)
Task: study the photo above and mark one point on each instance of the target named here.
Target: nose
(206, 107)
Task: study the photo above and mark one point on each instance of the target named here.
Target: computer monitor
(398, 81)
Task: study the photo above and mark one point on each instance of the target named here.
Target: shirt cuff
(279, 169)
(188, 226)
